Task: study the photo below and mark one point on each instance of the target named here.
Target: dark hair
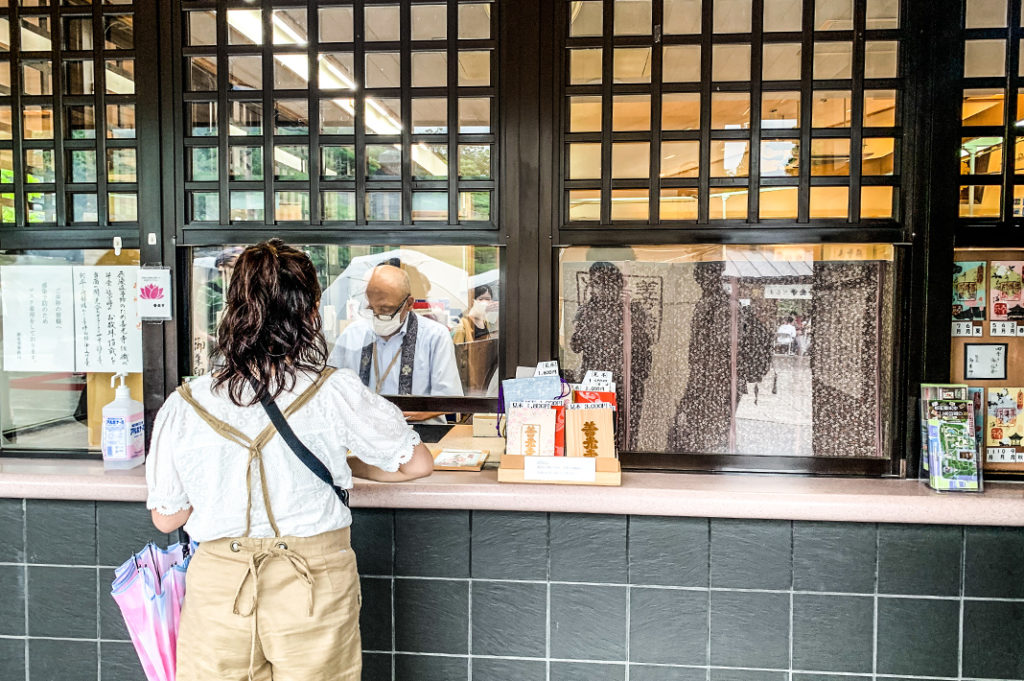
(271, 325)
(482, 289)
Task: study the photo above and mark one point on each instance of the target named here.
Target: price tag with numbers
(1002, 328)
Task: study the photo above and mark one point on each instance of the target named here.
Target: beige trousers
(285, 609)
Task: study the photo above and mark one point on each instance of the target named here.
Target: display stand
(560, 470)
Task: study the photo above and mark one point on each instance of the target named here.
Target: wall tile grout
(963, 592)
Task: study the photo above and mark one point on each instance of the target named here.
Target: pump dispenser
(123, 440)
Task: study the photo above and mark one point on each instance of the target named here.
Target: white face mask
(388, 328)
(479, 309)
(492, 313)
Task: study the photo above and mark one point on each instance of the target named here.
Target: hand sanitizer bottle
(123, 440)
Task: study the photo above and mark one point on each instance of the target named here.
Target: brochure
(953, 462)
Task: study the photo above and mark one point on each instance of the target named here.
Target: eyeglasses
(367, 312)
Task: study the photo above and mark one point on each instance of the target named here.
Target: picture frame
(985, 361)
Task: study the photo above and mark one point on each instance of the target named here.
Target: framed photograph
(985, 361)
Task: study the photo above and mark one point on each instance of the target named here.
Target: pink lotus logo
(151, 292)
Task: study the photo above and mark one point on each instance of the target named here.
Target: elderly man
(395, 351)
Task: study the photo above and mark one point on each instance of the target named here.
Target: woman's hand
(169, 523)
(419, 466)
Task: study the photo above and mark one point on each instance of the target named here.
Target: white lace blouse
(189, 464)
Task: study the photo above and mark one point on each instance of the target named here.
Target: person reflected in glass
(476, 344)
(393, 350)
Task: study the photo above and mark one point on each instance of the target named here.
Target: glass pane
(831, 109)
(632, 17)
(246, 72)
(878, 156)
(383, 162)
(782, 15)
(682, 17)
(429, 22)
(291, 162)
(585, 18)
(881, 59)
(680, 159)
(876, 202)
(474, 21)
(978, 201)
(201, 74)
(584, 205)
(81, 122)
(39, 166)
(336, 71)
(41, 207)
(246, 118)
(830, 157)
(120, 76)
(778, 203)
(291, 71)
(82, 165)
(983, 107)
(430, 206)
(7, 208)
(84, 208)
(474, 115)
(730, 62)
(474, 162)
(291, 117)
(5, 78)
(585, 67)
(829, 202)
(631, 159)
(678, 204)
(79, 78)
(474, 68)
(732, 16)
(37, 122)
(35, 34)
(204, 166)
(291, 206)
(201, 27)
(77, 33)
(632, 65)
(681, 64)
(383, 116)
(337, 116)
(727, 203)
(5, 34)
(430, 161)
(833, 15)
(584, 114)
(247, 206)
(585, 161)
(338, 206)
(122, 207)
(984, 58)
(118, 32)
(730, 110)
(383, 206)
(833, 60)
(730, 158)
(631, 112)
(474, 206)
(246, 163)
(37, 77)
(429, 69)
(780, 158)
(6, 166)
(880, 108)
(290, 27)
(986, 14)
(1018, 157)
(383, 23)
(680, 111)
(430, 115)
(205, 207)
(338, 162)
(383, 69)
(780, 110)
(6, 123)
(245, 27)
(883, 14)
(981, 155)
(782, 61)
(121, 165)
(336, 24)
(630, 204)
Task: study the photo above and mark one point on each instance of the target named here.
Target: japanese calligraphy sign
(39, 331)
(108, 330)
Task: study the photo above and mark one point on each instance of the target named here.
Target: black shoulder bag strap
(305, 456)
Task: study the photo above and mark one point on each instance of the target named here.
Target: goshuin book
(952, 452)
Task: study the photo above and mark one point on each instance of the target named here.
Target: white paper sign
(1004, 455)
(39, 323)
(155, 293)
(547, 369)
(108, 330)
(1002, 328)
(567, 468)
(592, 377)
(961, 329)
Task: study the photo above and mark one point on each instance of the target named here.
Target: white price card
(1004, 455)
(560, 468)
(155, 293)
(547, 369)
(1002, 328)
(593, 377)
(961, 329)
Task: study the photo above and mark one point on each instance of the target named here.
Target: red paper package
(591, 397)
(559, 430)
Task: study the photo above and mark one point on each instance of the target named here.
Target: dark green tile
(423, 668)
(491, 669)
(12, 600)
(509, 619)
(376, 667)
(669, 551)
(373, 538)
(994, 562)
(918, 637)
(510, 545)
(432, 616)
(668, 626)
(833, 633)
(123, 529)
(919, 560)
(120, 662)
(588, 622)
(62, 660)
(61, 532)
(746, 675)
(837, 557)
(830, 677)
(734, 542)
(639, 672)
(749, 629)
(62, 602)
(994, 640)
(576, 671)
(12, 530)
(112, 626)
(588, 548)
(375, 614)
(432, 543)
(12, 658)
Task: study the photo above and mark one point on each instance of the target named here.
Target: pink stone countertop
(667, 494)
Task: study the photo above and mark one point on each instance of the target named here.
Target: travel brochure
(951, 454)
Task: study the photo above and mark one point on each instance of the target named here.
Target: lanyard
(376, 367)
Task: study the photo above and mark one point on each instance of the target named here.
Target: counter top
(666, 494)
